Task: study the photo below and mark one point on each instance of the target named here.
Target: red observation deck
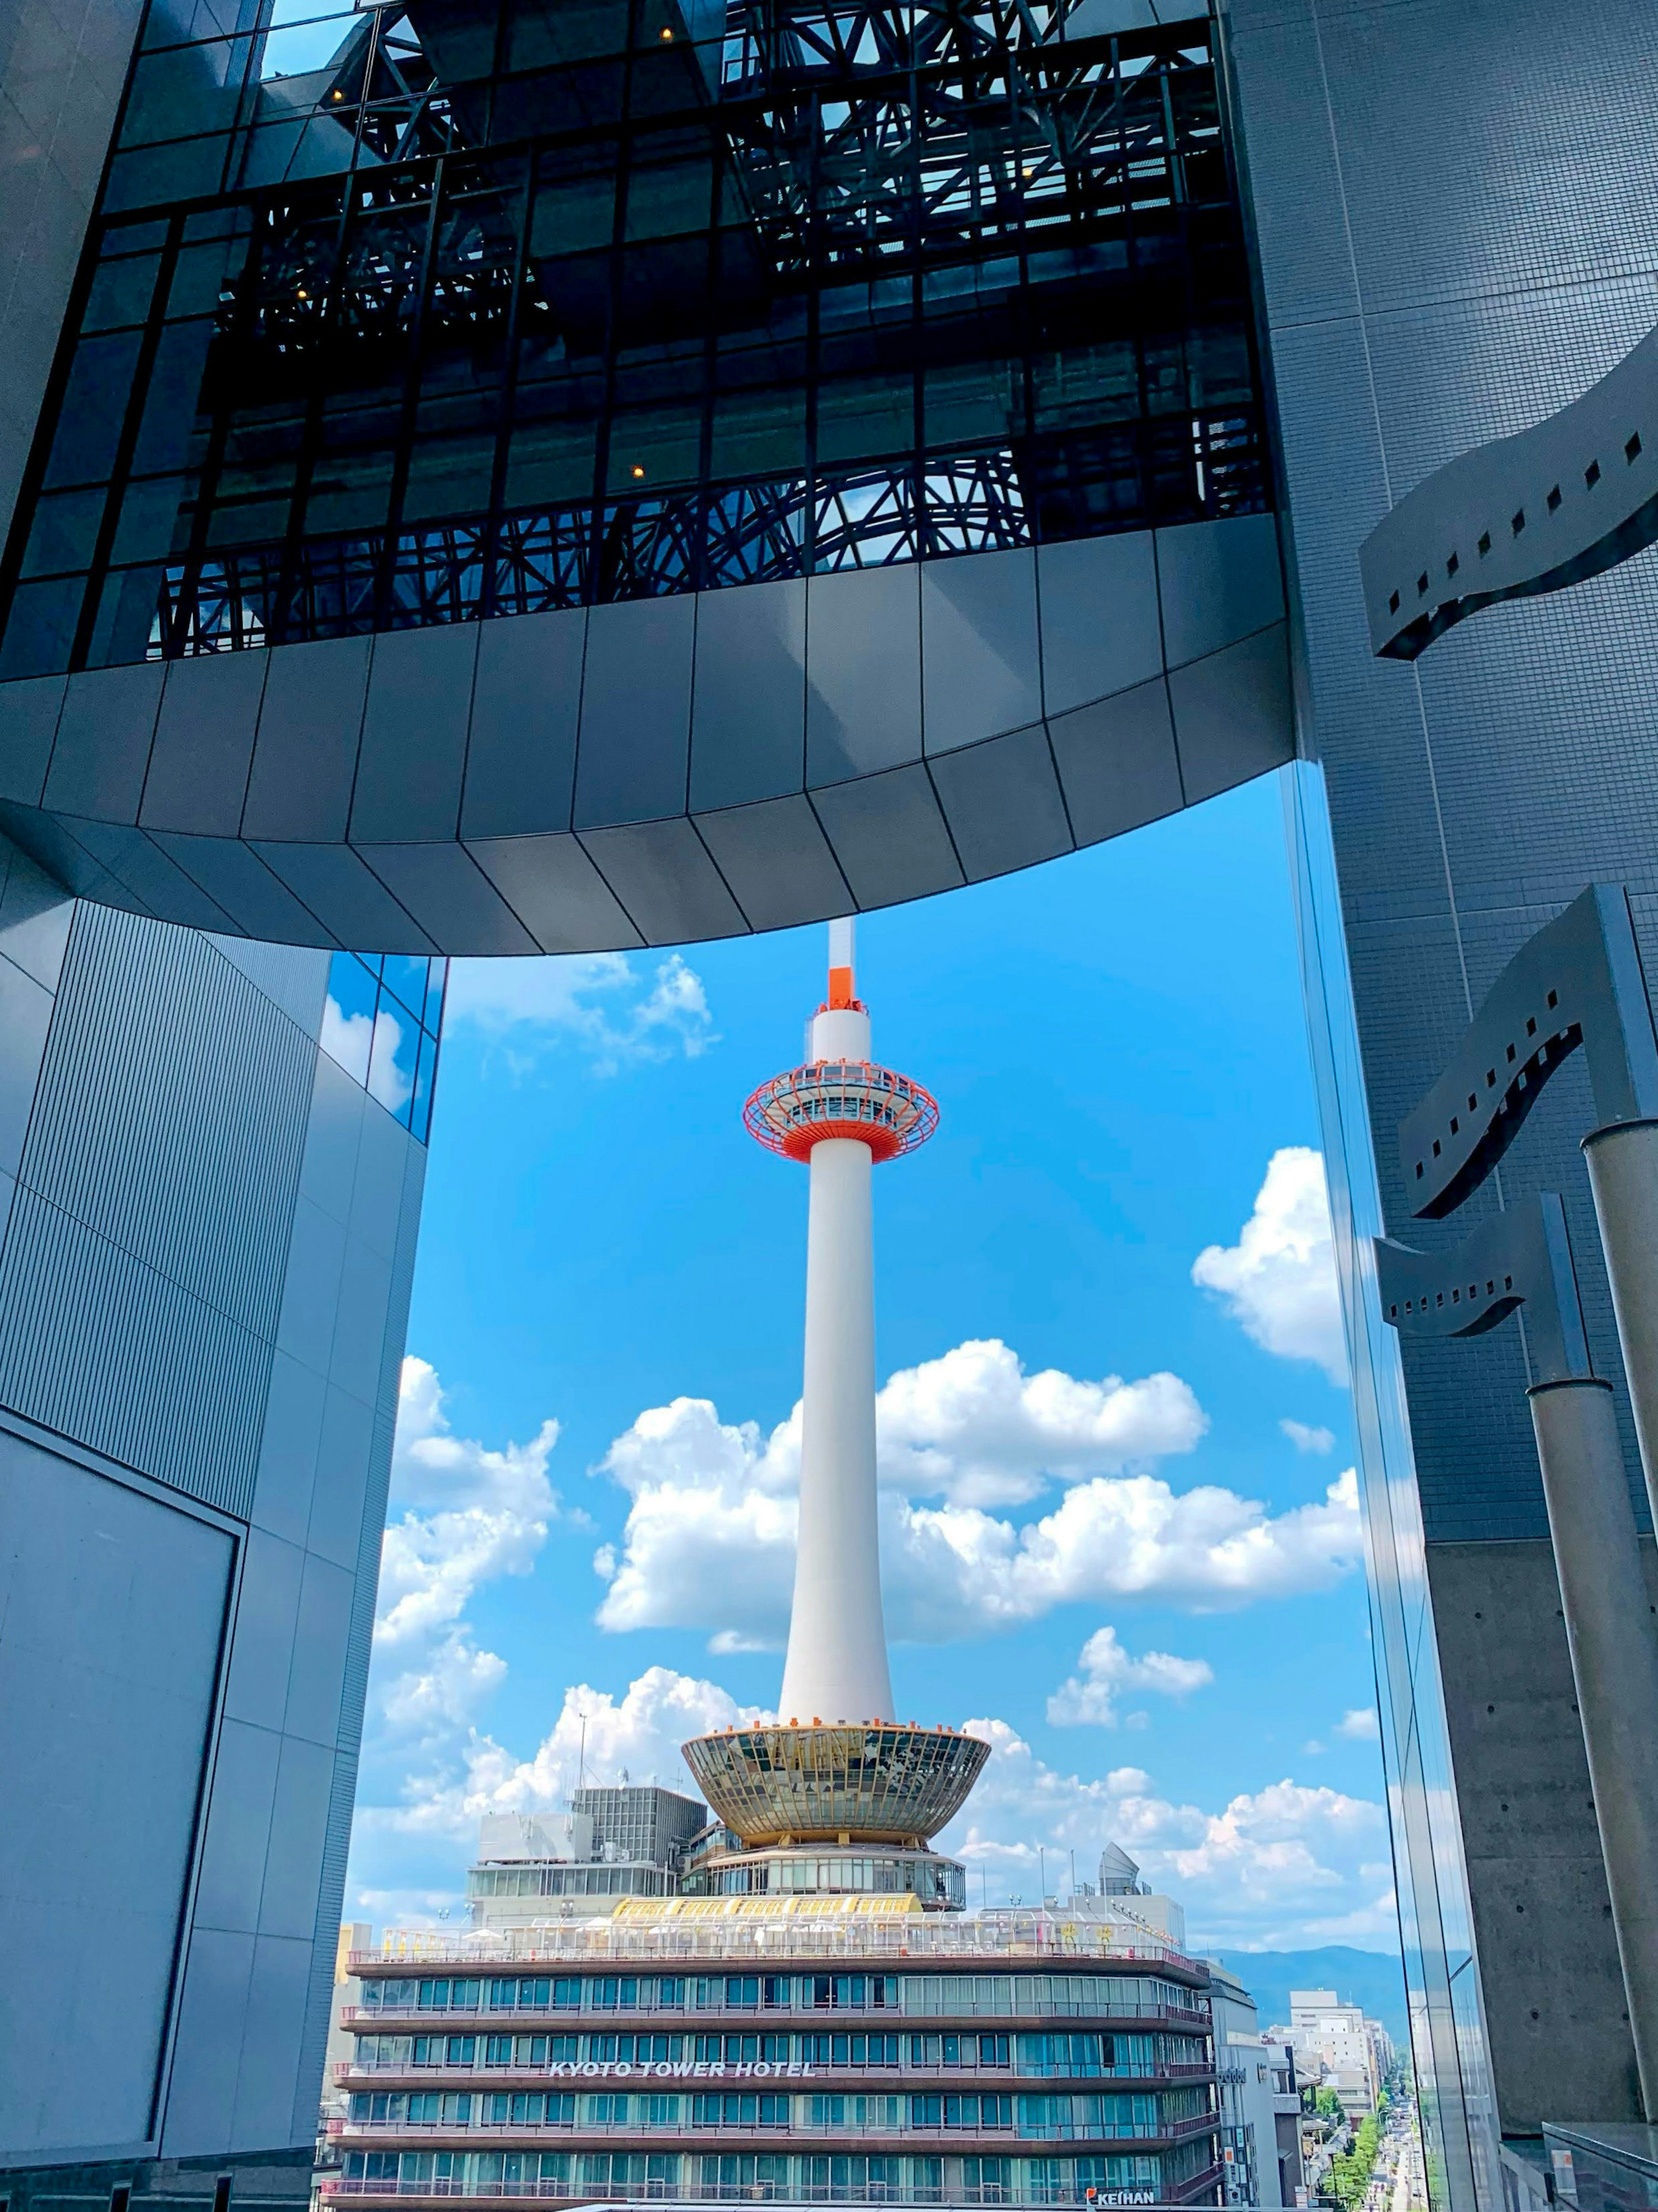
(851, 1098)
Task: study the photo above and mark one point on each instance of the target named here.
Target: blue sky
(1102, 1542)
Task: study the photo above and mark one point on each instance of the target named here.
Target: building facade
(561, 478)
(829, 2051)
(208, 1235)
(1259, 2097)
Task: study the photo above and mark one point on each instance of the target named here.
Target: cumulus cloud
(1359, 1723)
(1276, 1868)
(1278, 1280)
(469, 1514)
(1306, 1439)
(709, 1539)
(1090, 1699)
(599, 1002)
(637, 1736)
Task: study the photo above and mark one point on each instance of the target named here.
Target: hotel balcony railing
(778, 2134)
(485, 2076)
(639, 2192)
(687, 2020)
(1039, 1936)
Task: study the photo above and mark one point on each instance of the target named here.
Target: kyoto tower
(842, 1768)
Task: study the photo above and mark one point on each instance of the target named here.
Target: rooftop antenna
(581, 1765)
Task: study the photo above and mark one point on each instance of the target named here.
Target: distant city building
(608, 1844)
(1260, 2100)
(1339, 2048)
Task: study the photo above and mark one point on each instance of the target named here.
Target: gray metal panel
(1101, 631)
(333, 1135)
(633, 759)
(980, 661)
(661, 873)
(360, 1324)
(311, 1289)
(28, 725)
(25, 1016)
(267, 1608)
(207, 2055)
(232, 875)
(1117, 761)
(344, 1448)
(526, 701)
(444, 890)
(890, 837)
(1232, 715)
(160, 887)
(171, 1110)
(346, 896)
(34, 918)
(1217, 581)
(286, 1472)
(237, 1840)
(749, 705)
(864, 672)
(110, 1611)
(305, 757)
(320, 1994)
(318, 1670)
(203, 744)
(104, 734)
(140, 1281)
(557, 892)
(414, 735)
(299, 1820)
(275, 2033)
(292, 976)
(95, 1345)
(1002, 801)
(777, 861)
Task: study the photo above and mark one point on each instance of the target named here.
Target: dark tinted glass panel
(520, 304)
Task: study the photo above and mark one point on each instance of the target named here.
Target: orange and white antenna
(843, 986)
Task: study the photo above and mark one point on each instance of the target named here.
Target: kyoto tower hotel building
(815, 2018)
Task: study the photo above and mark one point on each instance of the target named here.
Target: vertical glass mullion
(408, 415)
(115, 490)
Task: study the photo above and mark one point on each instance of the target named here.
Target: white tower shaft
(836, 1668)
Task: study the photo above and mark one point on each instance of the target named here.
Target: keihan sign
(620, 2069)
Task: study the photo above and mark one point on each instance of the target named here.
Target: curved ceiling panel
(657, 770)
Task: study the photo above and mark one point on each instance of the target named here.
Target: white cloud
(1272, 1869)
(469, 1516)
(1306, 1439)
(1278, 1280)
(710, 1540)
(1090, 1699)
(1359, 1723)
(973, 1427)
(637, 1736)
(599, 1002)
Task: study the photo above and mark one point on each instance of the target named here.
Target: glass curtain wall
(440, 309)
(1447, 2031)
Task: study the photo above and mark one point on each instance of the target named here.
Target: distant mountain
(1373, 1979)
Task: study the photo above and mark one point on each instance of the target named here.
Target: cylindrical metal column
(1623, 1164)
(836, 1668)
(1611, 1634)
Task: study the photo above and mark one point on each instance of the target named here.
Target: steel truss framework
(648, 548)
(849, 285)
